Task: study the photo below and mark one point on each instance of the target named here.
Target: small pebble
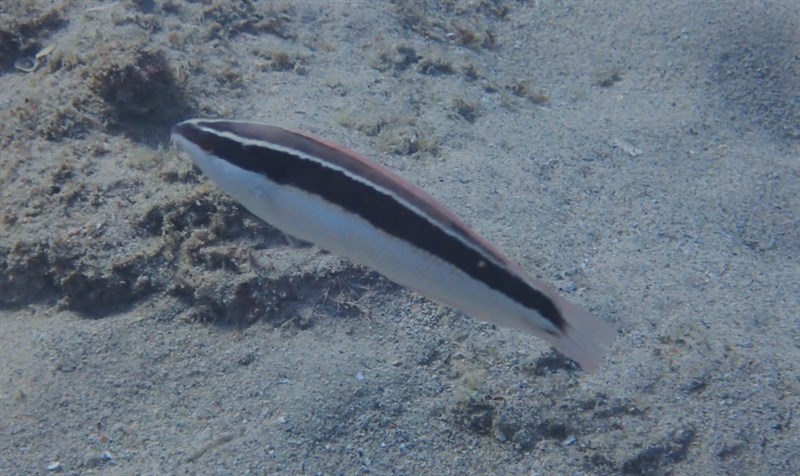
(569, 440)
(54, 466)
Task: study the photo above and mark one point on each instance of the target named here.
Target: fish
(347, 204)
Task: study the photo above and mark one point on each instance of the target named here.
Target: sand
(643, 157)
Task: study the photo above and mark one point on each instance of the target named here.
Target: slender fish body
(331, 196)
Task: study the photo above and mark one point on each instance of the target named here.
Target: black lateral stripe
(356, 166)
(379, 209)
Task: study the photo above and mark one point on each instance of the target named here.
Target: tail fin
(586, 339)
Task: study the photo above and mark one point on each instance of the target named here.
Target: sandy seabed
(642, 156)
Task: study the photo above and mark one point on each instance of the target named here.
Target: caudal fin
(586, 339)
